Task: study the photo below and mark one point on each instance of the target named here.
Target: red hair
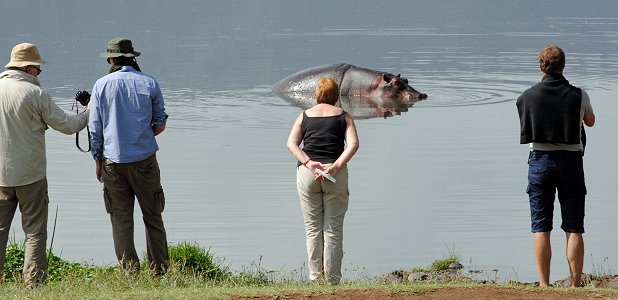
(327, 91)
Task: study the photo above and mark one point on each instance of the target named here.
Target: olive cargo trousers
(122, 184)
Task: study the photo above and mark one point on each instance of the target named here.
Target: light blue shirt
(123, 107)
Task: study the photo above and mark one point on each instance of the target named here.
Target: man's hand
(98, 168)
(158, 129)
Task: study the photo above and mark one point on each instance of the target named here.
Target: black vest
(324, 137)
(550, 112)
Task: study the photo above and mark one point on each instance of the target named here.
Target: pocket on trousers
(537, 174)
(109, 173)
(108, 201)
(536, 168)
(160, 198)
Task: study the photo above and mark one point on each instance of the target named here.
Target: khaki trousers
(122, 184)
(32, 200)
(323, 204)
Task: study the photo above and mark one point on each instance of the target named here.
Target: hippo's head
(395, 87)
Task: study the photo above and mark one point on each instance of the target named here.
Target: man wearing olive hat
(126, 113)
(26, 111)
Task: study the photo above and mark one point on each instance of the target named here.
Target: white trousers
(323, 204)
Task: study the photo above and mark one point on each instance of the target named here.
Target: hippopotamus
(362, 92)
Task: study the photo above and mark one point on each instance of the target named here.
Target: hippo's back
(303, 82)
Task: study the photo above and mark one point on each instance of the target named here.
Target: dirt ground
(606, 288)
(478, 292)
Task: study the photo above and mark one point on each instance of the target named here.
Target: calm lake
(448, 176)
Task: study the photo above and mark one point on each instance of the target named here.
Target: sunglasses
(38, 70)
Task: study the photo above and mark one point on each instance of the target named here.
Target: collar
(20, 76)
(126, 69)
(554, 78)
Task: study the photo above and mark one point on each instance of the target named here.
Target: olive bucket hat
(120, 47)
(25, 54)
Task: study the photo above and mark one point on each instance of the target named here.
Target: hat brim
(24, 63)
(111, 55)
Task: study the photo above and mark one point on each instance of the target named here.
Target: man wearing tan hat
(127, 112)
(26, 111)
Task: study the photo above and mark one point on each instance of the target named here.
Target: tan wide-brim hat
(25, 54)
(120, 47)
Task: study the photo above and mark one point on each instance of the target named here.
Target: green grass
(194, 274)
(442, 264)
(57, 267)
(192, 259)
(439, 264)
(193, 270)
(601, 269)
(116, 285)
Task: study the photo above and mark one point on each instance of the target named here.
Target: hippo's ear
(385, 78)
(402, 78)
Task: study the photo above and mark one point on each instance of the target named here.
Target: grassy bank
(117, 286)
(196, 274)
(101, 285)
(193, 270)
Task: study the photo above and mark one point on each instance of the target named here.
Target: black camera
(82, 97)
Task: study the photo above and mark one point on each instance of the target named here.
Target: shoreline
(460, 276)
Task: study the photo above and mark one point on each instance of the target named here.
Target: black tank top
(323, 137)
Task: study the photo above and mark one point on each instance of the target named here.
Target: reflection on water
(357, 106)
(447, 175)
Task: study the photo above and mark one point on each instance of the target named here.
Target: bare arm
(294, 140)
(293, 145)
(589, 119)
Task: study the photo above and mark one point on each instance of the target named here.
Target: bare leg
(542, 253)
(575, 257)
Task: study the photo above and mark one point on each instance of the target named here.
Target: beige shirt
(26, 111)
